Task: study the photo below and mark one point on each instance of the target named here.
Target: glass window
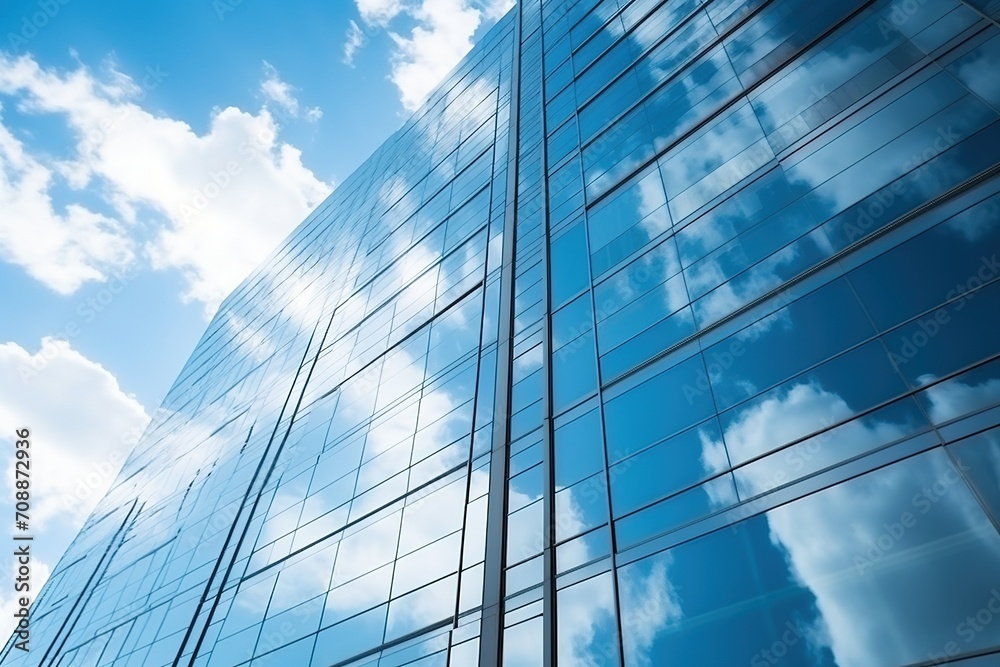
(370, 547)
(963, 394)
(346, 600)
(524, 576)
(717, 157)
(979, 459)
(807, 331)
(969, 68)
(658, 408)
(666, 468)
(578, 449)
(425, 565)
(639, 277)
(767, 585)
(569, 268)
(446, 506)
(425, 606)
(524, 533)
(627, 220)
(819, 398)
(753, 204)
(574, 372)
(298, 653)
(524, 488)
(647, 344)
(824, 82)
(779, 234)
(350, 637)
(890, 424)
(527, 637)
(576, 318)
(676, 511)
(587, 628)
(943, 341)
(581, 507)
(856, 161)
(642, 313)
(940, 264)
(583, 549)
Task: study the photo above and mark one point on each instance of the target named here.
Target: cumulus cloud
(211, 205)
(840, 544)
(650, 605)
(441, 35)
(83, 426)
(955, 398)
(62, 247)
(354, 40)
(280, 93)
(378, 12)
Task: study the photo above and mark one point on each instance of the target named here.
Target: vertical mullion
(491, 628)
(549, 610)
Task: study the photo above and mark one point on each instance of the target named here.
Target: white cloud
(441, 36)
(858, 547)
(83, 426)
(841, 544)
(355, 39)
(220, 201)
(379, 12)
(766, 424)
(650, 604)
(61, 248)
(955, 398)
(494, 10)
(280, 93)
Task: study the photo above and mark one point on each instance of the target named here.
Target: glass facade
(664, 334)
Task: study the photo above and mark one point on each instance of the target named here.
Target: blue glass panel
(941, 264)
(666, 468)
(568, 273)
(978, 458)
(666, 403)
(578, 449)
(574, 372)
(767, 587)
(587, 628)
(806, 332)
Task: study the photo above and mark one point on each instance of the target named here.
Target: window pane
(569, 265)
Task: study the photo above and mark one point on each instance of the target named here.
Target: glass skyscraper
(666, 333)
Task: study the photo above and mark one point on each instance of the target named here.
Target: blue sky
(150, 156)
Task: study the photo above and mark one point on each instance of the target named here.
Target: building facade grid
(664, 333)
